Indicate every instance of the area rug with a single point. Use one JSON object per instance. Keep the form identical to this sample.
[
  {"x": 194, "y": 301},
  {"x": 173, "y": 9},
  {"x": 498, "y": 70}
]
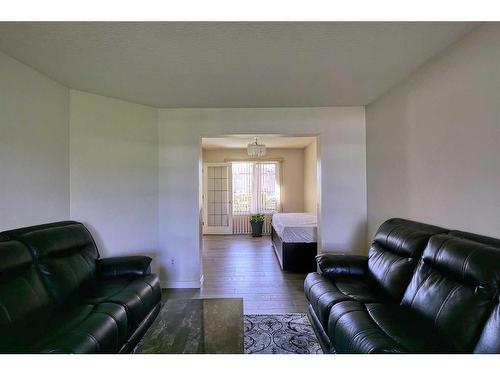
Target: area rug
[{"x": 280, "y": 334}]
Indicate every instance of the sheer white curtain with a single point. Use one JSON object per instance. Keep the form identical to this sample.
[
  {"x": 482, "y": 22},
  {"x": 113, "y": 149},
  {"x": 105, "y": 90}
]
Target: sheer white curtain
[
  {"x": 265, "y": 192},
  {"x": 256, "y": 189}
]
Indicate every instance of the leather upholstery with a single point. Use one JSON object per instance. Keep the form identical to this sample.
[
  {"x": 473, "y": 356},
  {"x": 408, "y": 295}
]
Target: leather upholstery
[
  {"x": 13, "y": 233},
  {"x": 138, "y": 296},
  {"x": 410, "y": 330},
  {"x": 355, "y": 327},
  {"x": 463, "y": 278},
  {"x": 332, "y": 265},
  {"x": 395, "y": 251},
  {"x": 392, "y": 258},
  {"x": 476, "y": 238},
  {"x": 352, "y": 331},
  {"x": 323, "y": 293},
  {"x": 24, "y": 302},
  {"x": 489, "y": 341},
  {"x": 57, "y": 296},
  {"x": 123, "y": 266},
  {"x": 86, "y": 328},
  {"x": 444, "y": 299},
  {"x": 66, "y": 256}
]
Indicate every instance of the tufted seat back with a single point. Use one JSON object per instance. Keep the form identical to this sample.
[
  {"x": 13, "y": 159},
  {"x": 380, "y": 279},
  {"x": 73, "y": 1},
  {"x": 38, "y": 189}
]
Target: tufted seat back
[
  {"x": 488, "y": 341},
  {"x": 490, "y": 241},
  {"x": 65, "y": 253},
  {"x": 455, "y": 286},
  {"x": 395, "y": 252},
  {"x": 24, "y": 302}
]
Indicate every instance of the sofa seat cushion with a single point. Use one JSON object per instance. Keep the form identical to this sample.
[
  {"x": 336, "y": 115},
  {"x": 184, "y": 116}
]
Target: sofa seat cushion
[
  {"x": 359, "y": 289},
  {"x": 351, "y": 330},
  {"x": 323, "y": 293},
  {"x": 354, "y": 327},
  {"x": 137, "y": 295},
  {"x": 412, "y": 331},
  {"x": 86, "y": 328}
]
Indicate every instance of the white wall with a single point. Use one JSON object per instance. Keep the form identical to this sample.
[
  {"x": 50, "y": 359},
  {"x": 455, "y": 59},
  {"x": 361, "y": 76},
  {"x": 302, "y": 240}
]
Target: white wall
[
  {"x": 292, "y": 172},
  {"x": 342, "y": 204},
  {"x": 433, "y": 142},
  {"x": 34, "y": 147},
  {"x": 69, "y": 154},
  {"x": 114, "y": 173},
  {"x": 310, "y": 178}
]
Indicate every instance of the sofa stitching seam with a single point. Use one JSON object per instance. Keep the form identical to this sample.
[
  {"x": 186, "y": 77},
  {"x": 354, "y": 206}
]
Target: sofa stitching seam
[
  {"x": 455, "y": 288},
  {"x": 340, "y": 317}
]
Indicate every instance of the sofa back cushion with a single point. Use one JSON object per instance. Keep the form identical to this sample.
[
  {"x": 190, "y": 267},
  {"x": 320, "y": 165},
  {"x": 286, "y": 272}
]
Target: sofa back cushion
[
  {"x": 455, "y": 287},
  {"x": 24, "y": 302},
  {"x": 489, "y": 341},
  {"x": 490, "y": 241},
  {"x": 395, "y": 252},
  {"x": 65, "y": 253}
]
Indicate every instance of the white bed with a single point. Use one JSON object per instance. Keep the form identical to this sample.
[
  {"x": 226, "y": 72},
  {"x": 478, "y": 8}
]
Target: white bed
[
  {"x": 296, "y": 227},
  {"x": 294, "y": 237}
]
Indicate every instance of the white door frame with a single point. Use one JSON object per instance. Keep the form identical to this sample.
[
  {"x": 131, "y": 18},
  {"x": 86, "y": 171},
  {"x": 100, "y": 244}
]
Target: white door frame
[{"x": 220, "y": 229}]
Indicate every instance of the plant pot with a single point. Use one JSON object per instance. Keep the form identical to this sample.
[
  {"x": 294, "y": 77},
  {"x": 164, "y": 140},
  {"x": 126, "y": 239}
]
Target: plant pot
[{"x": 257, "y": 228}]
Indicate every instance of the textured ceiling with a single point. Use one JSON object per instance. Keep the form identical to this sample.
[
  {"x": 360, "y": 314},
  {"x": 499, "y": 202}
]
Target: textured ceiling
[
  {"x": 236, "y": 64},
  {"x": 269, "y": 140}
]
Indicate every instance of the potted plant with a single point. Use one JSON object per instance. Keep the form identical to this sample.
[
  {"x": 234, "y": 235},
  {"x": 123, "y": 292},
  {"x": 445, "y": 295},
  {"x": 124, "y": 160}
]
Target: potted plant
[{"x": 257, "y": 220}]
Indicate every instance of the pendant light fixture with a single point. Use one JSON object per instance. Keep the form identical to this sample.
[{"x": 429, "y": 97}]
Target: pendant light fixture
[{"x": 255, "y": 150}]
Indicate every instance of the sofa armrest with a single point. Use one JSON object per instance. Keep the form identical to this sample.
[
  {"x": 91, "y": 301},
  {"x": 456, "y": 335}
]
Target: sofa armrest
[
  {"x": 137, "y": 265},
  {"x": 332, "y": 265}
]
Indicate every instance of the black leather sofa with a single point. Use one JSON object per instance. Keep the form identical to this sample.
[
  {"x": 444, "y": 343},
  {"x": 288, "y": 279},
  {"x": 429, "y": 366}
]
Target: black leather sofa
[
  {"x": 58, "y": 296},
  {"x": 422, "y": 289}
]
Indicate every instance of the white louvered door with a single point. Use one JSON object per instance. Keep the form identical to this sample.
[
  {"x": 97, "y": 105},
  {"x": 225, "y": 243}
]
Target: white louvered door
[{"x": 217, "y": 194}]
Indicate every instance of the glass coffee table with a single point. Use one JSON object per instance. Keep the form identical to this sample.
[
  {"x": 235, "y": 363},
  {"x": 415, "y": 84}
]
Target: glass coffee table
[{"x": 211, "y": 326}]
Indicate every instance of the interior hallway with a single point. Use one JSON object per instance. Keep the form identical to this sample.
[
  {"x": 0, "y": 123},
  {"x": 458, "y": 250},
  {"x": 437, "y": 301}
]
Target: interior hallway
[{"x": 246, "y": 267}]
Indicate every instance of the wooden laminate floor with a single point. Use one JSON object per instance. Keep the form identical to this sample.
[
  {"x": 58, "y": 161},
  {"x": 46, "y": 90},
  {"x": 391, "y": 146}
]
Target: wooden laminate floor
[{"x": 246, "y": 267}]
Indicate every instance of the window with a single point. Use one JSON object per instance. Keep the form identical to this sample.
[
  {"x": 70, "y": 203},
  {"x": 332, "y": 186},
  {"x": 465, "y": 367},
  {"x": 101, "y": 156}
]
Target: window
[
  {"x": 242, "y": 187},
  {"x": 256, "y": 187},
  {"x": 267, "y": 187}
]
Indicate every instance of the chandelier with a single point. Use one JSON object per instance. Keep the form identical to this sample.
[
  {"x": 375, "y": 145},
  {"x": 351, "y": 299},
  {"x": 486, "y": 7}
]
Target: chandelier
[{"x": 256, "y": 150}]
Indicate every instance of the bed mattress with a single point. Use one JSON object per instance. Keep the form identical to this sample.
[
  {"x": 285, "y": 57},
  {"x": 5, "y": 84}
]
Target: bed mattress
[{"x": 296, "y": 227}]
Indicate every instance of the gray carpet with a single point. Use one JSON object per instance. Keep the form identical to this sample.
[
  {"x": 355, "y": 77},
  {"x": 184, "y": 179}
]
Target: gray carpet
[{"x": 280, "y": 334}]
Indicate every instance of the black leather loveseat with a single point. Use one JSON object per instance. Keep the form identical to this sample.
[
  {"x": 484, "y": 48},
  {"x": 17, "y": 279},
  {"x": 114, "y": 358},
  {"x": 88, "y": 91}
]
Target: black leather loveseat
[
  {"x": 422, "y": 289},
  {"x": 58, "y": 296}
]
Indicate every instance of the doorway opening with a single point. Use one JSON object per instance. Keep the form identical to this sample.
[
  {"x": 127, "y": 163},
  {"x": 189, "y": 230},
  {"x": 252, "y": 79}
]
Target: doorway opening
[{"x": 283, "y": 186}]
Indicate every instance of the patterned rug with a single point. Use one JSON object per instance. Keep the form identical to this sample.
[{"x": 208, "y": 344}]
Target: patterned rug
[{"x": 280, "y": 334}]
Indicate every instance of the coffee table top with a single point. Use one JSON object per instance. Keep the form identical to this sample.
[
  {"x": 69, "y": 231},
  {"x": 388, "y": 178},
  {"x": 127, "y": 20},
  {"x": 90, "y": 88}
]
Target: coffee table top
[{"x": 212, "y": 326}]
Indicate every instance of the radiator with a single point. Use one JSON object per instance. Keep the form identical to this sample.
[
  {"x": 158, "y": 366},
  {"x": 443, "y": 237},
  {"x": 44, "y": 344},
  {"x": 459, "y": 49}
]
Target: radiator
[{"x": 241, "y": 224}]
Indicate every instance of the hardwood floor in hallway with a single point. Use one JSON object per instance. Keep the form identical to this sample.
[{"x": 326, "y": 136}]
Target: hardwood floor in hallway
[{"x": 246, "y": 267}]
